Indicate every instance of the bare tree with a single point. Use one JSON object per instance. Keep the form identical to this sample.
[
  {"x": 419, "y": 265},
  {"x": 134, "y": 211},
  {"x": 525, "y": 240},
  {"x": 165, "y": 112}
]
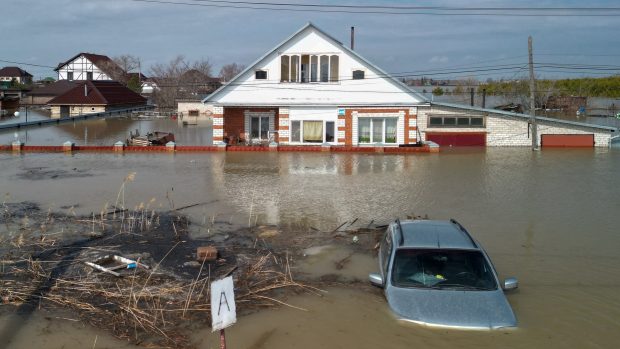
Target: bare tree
[
  {"x": 167, "y": 77},
  {"x": 127, "y": 62},
  {"x": 203, "y": 66},
  {"x": 229, "y": 71}
]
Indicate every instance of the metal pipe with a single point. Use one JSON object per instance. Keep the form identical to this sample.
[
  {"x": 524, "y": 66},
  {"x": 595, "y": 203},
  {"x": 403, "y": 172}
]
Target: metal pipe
[{"x": 352, "y": 38}]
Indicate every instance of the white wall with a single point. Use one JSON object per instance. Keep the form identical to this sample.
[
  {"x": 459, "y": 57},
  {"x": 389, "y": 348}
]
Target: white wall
[
  {"x": 505, "y": 130},
  {"x": 371, "y": 90},
  {"x": 80, "y": 66}
]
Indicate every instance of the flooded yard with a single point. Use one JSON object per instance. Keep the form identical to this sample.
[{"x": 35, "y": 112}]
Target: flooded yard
[{"x": 549, "y": 218}]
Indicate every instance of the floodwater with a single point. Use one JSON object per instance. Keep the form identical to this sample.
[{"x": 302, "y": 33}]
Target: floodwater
[
  {"x": 549, "y": 218},
  {"x": 103, "y": 131}
]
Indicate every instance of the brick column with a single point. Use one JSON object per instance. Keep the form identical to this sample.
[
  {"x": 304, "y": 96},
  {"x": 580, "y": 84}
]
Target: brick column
[
  {"x": 341, "y": 134},
  {"x": 348, "y": 127},
  {"x": 411, "y": 126},
  {"x": 218, "y": 125},
  {"x": 283, "y": 126}
]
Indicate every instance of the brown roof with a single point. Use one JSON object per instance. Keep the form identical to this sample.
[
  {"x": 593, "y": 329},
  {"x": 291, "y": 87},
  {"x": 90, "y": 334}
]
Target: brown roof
[
  {"x": 14, "y": 72},
  {"x": 54, "y": 89},
  {"x": 103, "y": 62},
  {"x": 99, "y": 93}
]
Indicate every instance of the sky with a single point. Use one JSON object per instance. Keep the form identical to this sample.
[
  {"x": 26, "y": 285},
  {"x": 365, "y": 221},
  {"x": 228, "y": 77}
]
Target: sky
[{"x": 47, "y": 32}]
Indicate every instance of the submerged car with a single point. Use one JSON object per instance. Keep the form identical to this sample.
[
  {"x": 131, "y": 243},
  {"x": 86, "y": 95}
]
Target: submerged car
[{"x": 434, "y": 273}]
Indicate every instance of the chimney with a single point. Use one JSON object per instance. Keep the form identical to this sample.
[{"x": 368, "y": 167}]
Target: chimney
[
  {"x": 352, "y": 38},
  {"x": 85, "y": 90}
]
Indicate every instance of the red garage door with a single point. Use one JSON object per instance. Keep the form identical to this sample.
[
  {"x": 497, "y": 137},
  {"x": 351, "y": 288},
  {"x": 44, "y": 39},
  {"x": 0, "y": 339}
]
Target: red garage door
[
  {"x": 567, "y": 140},
  {"x": 458, "y": 139}
]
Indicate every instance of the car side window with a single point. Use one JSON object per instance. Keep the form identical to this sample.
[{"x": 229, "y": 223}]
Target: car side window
[{"x": 386, "y": 251}]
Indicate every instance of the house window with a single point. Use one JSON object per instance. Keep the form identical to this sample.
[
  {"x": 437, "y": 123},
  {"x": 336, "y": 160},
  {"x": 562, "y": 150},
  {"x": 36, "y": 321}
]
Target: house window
[
  {"x": 194, "y": 112},
  {"x": 70, "y": 75},
  {"x": 294, "y": 69},
  {"x": 324, "y": 68},
  {"x": 305, "y": 68},
  {"x": 358, "y": 74},
  {"x": 259, "y": 127},
  {"x": 296, "y": 131},
  {"x": 313, "y": 132},
  {"x": 330, "y": 128},
  {"x": 456, "y": 121},
  {"x": 314, "y": 66},
  {"x": 284, "y": 68},
  {"x": 333, "y": 68},
  {"x": 260, "y": 75},
  {"x": 89, "y": 75},
  {"x": 377, "y": 130}
]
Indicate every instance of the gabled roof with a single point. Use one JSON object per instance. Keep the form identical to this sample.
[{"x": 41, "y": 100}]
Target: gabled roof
[
  {"x": 98, "y": 93},
  {"x": 14, "y": 72},
  {"x": 306, "y": 27},
  {"x": 103, "y": 62},
  {"x": 523, "y": 117}
]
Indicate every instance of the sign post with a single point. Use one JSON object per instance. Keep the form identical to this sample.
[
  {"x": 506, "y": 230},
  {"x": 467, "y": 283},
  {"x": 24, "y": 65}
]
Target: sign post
[{"x": 223, "y": 310}]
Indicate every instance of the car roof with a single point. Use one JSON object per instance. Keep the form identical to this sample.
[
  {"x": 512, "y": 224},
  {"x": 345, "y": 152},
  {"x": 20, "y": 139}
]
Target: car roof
[{"x": 434, "y": 234}]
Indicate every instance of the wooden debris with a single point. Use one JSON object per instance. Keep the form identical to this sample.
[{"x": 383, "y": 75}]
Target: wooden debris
[{"x": 206, "y": 253}]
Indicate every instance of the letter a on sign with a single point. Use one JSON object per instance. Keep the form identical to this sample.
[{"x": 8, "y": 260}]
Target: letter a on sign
[{"x": 223, "y": 312}]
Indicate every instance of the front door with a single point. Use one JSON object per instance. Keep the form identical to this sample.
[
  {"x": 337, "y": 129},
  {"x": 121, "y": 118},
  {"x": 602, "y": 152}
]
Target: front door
[
  {"x": 259, "y": 128},
  {"x": 64, "y": 111}
]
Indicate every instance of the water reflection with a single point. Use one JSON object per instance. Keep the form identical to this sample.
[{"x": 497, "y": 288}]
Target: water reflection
[{"x": 107, "y": 131}]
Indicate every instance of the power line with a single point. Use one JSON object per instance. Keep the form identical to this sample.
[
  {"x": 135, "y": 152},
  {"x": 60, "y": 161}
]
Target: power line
[{"x": 563, "y": 12}]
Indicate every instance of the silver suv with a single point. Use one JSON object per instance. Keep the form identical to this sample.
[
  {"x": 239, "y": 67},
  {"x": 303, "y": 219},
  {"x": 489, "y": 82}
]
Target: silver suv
[{"x": 434, "y": 273}]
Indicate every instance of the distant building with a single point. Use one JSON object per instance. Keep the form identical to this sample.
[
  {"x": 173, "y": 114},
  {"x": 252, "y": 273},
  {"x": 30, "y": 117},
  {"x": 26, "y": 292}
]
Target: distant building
[
  {"x": 10, "y": 74},
  {"x": 42, "y": 95},
  {"x": 89, "y": 66},
  {"x": 94, "y": 97}
]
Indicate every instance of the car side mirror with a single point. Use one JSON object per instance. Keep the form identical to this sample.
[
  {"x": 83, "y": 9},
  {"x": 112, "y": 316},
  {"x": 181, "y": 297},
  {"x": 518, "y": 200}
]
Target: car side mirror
[
  {"x": 375, "y": 279},
  {"x": 511, "y": 284}
]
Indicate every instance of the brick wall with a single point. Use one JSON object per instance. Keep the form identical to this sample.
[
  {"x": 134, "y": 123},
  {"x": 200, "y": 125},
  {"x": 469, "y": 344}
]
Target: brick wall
[{"x": 235, "y": 124}]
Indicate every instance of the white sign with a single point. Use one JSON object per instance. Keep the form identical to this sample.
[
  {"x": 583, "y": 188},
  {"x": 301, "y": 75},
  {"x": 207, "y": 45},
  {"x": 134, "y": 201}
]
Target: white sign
[{"x": 223, "y": 311}]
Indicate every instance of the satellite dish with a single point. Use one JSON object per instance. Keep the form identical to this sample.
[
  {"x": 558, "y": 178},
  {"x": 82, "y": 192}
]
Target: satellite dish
[
  {"x": 208, "y": 113},
  {"x": 16, "y": 114}
]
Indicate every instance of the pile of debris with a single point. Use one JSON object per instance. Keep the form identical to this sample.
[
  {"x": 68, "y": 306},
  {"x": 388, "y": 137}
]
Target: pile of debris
[{"x": 140, "y": 276}]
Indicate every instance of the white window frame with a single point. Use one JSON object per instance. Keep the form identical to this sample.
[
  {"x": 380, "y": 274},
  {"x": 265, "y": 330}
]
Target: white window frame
[
  {"x": 372, "y": 141},
  {"x": 310, "y": 70},
  {"x": 301, "y": 132}
]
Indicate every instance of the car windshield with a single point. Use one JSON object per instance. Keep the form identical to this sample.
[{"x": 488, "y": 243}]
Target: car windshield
[{"x": 442, "y": 269}]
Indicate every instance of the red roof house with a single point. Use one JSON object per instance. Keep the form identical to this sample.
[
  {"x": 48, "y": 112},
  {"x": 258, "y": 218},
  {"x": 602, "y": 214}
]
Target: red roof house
[{"x": 94, "y": 97}]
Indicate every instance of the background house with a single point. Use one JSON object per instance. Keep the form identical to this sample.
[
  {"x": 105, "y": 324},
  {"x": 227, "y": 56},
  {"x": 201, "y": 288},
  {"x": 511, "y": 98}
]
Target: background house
[
  {"x": 15, "y": 74},
  {"x": 89, "y": 66},
  {"x": 42, "y": 95},
  {"x": 94, "y": 97}
]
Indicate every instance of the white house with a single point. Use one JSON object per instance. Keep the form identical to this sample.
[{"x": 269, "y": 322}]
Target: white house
[
  {"x": 88, "y": 66},
  {"x": 311, "y": 89}
]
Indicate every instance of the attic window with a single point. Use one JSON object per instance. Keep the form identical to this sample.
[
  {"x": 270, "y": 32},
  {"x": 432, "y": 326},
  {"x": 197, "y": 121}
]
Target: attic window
[
  {"x": 261, "y": 75},
  {"x": 358, "y": 74}
]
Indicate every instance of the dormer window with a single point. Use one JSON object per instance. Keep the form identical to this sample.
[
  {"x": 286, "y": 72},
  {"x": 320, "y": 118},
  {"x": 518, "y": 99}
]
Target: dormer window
[
  {"x": 309, "y": 68},
  {"x": 260, "y": 75},
  {"x": 358, "y": 75}
]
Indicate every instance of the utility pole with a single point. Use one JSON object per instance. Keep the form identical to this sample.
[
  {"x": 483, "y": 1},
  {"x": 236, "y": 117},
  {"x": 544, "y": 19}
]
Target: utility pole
[{"x": 532, "y": 97}]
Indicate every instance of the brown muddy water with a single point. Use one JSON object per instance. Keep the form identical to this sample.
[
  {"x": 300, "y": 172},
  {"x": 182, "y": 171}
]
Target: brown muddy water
[{"x": 549, "y": 218}]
